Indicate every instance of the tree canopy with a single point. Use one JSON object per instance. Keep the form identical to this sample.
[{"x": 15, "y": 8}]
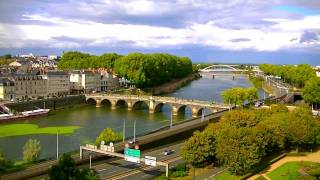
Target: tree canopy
[
  {"x": 243, "y": 137},
  {"x": 66, "y": 169},
  {"x": 147, "y": 70},
  {"x": 199, "y": 148},
  {"x": 239, "y": 96},
  {"x": 108, "y": 135},
  {"x": 143, "y": 70},
  {"x": 311, "y": 91},
  {"x": 295, "y": 75},
  {"x": 77, "y": 60},
  {"x": 31, "y": 150}
]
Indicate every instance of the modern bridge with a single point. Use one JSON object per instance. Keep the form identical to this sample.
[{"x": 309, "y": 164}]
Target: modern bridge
[
  {"x": 223, "y": 68},
  {"x": 154, "y": 103}
]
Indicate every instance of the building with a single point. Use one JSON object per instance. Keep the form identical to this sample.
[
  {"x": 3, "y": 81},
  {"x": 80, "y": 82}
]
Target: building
[
  {"x": 7, "y": 89},
  {"x": 85, "y": 82},
  {"x": 58, "y": 83},
  {"x": 109, "y": 82},
  {"x": 29, "y": 86},
  {"x": 22, "y": 65}
]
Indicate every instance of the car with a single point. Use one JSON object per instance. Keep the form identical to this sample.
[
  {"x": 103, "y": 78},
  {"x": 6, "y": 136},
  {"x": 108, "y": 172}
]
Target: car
[{"x": 167, "y": 152}]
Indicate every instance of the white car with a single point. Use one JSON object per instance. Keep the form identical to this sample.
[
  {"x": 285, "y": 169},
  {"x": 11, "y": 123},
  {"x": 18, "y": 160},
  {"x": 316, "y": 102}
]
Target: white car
[{"x": 167, "y": 152}]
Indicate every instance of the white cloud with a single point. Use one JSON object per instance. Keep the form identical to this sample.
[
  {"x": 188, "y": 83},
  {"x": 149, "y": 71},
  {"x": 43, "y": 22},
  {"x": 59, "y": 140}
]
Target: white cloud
[{"x": 284, "y": 34}]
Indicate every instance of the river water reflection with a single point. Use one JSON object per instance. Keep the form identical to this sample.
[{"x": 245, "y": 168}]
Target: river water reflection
[{"x": 92, "y": 120}]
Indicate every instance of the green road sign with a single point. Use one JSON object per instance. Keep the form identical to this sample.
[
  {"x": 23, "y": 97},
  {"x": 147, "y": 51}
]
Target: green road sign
[{"x": 132, "y": 152}]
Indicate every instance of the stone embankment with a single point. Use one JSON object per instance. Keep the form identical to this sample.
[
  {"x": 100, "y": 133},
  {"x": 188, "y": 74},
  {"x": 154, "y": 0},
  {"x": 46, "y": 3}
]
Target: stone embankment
[
  {"x": 52, "y": 103},
  {"x": 173, "y": 85}
]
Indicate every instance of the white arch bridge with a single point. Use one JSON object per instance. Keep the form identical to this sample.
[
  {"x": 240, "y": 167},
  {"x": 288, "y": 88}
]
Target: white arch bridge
[
  {"x": 222, "y": 68},
  {"x": 154, "y": 103}
]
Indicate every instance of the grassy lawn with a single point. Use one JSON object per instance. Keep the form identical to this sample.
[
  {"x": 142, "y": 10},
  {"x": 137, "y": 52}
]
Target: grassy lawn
[
  {"x": 27, "y": 129},
  {"x": 289, "y": 170},
  {"x": 226, "y": 175}
]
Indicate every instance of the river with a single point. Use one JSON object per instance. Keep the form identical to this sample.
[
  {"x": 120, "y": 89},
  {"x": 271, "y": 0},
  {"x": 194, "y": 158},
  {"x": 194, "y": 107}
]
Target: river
[{"x": 92, "y": 120}]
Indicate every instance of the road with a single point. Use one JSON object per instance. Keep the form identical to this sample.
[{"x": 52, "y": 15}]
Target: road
[{"x": 121, "y": 169}]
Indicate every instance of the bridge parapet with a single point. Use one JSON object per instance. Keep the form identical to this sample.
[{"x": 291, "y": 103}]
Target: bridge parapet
[{"x": 155, "y": 102}]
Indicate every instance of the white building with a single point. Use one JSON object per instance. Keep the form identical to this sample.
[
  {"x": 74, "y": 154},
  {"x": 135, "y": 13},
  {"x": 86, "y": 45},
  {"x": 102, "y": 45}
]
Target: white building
[
  {"x": 58, "y": 83},
  {"x": 85, "y": 82},
  {"x": 109, "y": 82}
]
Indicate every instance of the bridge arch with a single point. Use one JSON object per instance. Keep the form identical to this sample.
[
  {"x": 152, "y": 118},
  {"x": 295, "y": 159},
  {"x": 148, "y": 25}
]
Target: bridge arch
[
  {"x": 201, "y": 109},
  {"x": 91, "y": 101},
  {"x": 183, "y": 108},
  {"x": 121, "y": 103},
  {"x": 159, "y": 106},
  {"x": 219, "y": 66},
  {"x": 140, "y": 105},
  {"x": 106, "y": 102}
]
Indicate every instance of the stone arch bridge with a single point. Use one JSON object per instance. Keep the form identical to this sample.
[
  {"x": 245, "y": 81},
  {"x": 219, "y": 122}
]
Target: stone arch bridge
[{"x": 154, "y": 103}]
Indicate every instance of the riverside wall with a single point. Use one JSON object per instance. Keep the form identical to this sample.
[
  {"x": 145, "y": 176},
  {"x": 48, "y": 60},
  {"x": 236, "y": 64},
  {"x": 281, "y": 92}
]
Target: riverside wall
[
  {"x": 173, "y": 85},
  {"x": 52, "y": 103}
]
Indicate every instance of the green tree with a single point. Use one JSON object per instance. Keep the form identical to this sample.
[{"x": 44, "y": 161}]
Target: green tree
[
  {"x": 31, "y": 150},
  {"x": 7, "y": 56},
  {"x": 66, "y": 169},
  {"x": 251, "y": 94},
  {"x": 238, "y": 96},
  {"x": 295, "y": 75},
  {"x": 311, "y": 91},
  {"x": 302, "y": 128},
  {"x": 199, "y": 148},
  {"x": 108, "y": 135},
  {"x": 239, "y": 143}
]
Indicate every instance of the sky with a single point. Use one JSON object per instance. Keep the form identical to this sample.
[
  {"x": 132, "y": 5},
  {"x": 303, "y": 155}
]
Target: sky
[{"x": 232, "y": 31}]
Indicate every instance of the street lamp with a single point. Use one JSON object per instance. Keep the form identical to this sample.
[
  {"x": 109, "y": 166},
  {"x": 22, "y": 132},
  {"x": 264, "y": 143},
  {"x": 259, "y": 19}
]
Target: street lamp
[
  {"x": 57, "y": 144},
  {"x": 171, "y": 120}
]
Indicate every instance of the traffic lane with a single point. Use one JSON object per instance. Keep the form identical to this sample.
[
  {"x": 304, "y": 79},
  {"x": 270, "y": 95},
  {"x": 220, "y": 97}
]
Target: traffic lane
[
  {"x": 108, "y": 169},
  {"x": 151, "y": 172}
]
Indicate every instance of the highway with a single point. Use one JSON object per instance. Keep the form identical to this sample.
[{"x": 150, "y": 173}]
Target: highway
[{"x": 121, "y": 169}]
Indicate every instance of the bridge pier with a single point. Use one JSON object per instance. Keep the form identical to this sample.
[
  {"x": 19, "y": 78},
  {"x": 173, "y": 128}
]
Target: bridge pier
[
  {"x": 113, "y": 104},
  {"x": 195, "y": 112},
  {"x": 152, "y": 105},
  {"x": 175, "y": 110},
  {"x": 130, "y": 105},
  {"x": 98, "y": 103}
]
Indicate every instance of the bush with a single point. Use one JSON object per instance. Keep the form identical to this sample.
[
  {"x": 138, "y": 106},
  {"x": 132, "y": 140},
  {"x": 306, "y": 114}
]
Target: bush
[
  {"x": 181, "y": 167},
  {"x": 178, "y": 174},
  {"x": 31, "y": 150}
]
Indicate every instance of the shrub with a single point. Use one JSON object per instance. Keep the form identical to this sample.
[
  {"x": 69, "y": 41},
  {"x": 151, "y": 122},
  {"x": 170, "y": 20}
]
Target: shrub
[{"x": 178, "y": 174}]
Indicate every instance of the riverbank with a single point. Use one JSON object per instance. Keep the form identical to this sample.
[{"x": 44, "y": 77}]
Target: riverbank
[
  {"x": 173, "y": 85},
  {"x": 52, "y": 103}
]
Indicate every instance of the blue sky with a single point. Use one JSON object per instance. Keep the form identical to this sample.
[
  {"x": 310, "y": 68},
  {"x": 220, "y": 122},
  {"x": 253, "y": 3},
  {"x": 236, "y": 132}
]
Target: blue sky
[{"x": 242, "y": 31}]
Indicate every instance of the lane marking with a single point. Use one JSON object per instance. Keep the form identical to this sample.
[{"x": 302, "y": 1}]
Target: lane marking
[{"x": 102, "y": 170}]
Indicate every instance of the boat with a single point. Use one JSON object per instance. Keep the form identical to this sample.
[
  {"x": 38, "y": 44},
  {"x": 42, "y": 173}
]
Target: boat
[
  {"x": 7, "y": 116},
  {"x": 37, "y": 112}
]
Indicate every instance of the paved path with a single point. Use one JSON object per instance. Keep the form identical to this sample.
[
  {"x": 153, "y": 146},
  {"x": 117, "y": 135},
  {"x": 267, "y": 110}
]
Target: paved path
[{"x": 313, "y": 157}]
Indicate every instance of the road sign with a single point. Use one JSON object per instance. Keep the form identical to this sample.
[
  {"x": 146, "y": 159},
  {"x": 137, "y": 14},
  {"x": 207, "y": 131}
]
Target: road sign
[
  {"x": 149, "y": 160},
  {"x": 132, "y": 155}
]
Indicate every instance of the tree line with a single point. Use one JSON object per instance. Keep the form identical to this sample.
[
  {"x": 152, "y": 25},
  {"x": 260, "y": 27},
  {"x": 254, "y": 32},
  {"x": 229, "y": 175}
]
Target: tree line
[
  {"x": 143, "y": 70},
  {"x": 295, "y": 75},
  {"x": 238, "y": 95},
  {"x": 243, "y": 137},
  {"x": 74, "y": 60},
  {"x": 302, "y": 76}
]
